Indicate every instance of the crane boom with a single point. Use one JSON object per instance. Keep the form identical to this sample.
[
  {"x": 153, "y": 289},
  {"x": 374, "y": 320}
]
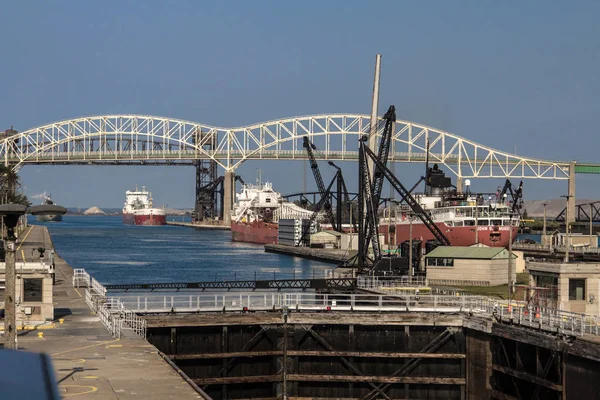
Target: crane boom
[
  {"x": 319, "y": 180},
  {"x": 376, "y": 187},
  {"x": 406, "y": 196}
]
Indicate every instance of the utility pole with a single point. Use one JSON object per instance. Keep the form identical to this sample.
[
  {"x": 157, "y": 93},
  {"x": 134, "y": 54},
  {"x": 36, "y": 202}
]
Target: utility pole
[
  {"x": 411, "y": 268},
  {"x": 591, "y": 227},
  {"x": 476, "y": 219},
  {"x": 567, "y": 228},
  {"x": 512, "y": 277},
  {"x": 374, "y": 107},
  {"x": 544, "y": 238}
]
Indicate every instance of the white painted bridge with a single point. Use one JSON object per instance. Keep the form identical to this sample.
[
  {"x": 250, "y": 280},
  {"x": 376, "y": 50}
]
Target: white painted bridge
[{"x": 138, "y": 139}]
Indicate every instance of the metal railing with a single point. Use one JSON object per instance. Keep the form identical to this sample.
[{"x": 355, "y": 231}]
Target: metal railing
[
  {"x": 112, "y": 313},
  {"x": 81, "y": 278},
  {"x": 118, "y": 313},
  {"x": 127, "y": 319},
  {"x": 301, "y": 301},
  {"x": 584, "y": 249},
  {"x": 550, "y": 320},
  {"x": 457, "y": 282},
  {"x": 377, "y": 283}
]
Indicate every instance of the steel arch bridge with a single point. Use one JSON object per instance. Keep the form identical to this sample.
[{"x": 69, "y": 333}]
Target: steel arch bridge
[{"x": 138, "y": 139}]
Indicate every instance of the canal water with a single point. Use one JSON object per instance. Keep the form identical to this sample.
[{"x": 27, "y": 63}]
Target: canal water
[{"x": 115, "y": 253}]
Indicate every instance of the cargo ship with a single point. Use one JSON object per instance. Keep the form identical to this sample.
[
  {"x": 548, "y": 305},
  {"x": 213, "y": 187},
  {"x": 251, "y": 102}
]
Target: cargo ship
[
  {"x": 465, "y": 218},
  {"x": 256, "y": 213},
  {"x": 138, "y": 209},
  {"x": 47, "y": 201}
]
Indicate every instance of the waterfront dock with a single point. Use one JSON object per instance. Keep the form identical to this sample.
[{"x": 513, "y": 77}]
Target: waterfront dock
[
  {"x": 200, "y": 226},
  {"x": 334, "y": 256},
  {"x": 87, "y": 360}
]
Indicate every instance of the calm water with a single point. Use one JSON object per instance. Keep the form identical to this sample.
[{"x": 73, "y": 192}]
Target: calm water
[{"x": 116, "y": 253}]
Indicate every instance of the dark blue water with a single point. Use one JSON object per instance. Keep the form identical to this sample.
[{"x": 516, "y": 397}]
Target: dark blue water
[
  {"x": 116, "y": 253},
  {"x": 535, "y": 237}
]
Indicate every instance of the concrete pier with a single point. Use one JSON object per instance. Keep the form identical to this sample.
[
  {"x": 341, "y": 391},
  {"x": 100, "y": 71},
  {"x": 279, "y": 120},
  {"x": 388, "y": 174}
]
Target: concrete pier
[
  {"x": 200, "y": 226},
  {"x": 334, "y": 256},
  {"x": 87, "y": 361}
]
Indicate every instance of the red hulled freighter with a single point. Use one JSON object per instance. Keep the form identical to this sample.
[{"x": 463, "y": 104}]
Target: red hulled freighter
[
  {"x": 138, "y": 209},
  {"x": 464, "y": 218},
  {"x": 257, "y": 211}
]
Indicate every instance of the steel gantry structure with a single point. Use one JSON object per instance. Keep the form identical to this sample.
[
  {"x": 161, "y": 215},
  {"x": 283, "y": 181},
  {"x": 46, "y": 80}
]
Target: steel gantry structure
[{"x": 149, "y": 140}]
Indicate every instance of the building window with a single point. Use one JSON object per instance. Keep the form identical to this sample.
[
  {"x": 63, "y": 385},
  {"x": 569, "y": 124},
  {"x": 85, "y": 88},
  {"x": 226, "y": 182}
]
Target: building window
[
  {"x": 32, "y": 289},
  {"x": 576, "y": 289},
  {"x": 440, "y": 262}
]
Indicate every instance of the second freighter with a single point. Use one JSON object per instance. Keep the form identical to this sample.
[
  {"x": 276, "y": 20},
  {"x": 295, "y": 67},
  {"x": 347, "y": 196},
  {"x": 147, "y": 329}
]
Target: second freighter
[
  {"x": 256, "y": 213},
  {"x": 138, "y": 209}
]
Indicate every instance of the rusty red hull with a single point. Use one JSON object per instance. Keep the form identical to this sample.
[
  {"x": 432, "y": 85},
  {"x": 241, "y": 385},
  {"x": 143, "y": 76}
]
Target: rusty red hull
[
  {"x": 150, "y": 219},
  {"x": 257, "y": 232},
  {"x": 493, "y": 236}
]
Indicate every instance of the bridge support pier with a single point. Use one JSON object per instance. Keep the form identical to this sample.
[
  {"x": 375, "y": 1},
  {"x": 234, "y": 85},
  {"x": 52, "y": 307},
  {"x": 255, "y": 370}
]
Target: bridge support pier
[
  {"x": 229, "y": 188},
  {"x": 571, "y": 194}
]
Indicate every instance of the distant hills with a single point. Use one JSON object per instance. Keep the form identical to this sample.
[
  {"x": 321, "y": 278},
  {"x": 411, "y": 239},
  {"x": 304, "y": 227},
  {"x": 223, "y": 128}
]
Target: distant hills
[{"x": 535, "y": 208}]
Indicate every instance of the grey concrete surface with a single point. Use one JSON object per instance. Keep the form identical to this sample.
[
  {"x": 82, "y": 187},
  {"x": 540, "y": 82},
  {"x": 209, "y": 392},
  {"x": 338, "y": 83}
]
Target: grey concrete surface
[{"x": 87, "y": 361}]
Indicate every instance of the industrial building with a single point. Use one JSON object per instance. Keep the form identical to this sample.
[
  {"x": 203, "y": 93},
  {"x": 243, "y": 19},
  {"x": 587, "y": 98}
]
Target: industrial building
[{"x": 468, "y": 266}]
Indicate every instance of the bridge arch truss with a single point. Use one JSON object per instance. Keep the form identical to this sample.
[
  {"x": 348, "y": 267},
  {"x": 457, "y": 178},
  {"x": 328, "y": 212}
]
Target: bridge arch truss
[{"x": 138, "y": 139}]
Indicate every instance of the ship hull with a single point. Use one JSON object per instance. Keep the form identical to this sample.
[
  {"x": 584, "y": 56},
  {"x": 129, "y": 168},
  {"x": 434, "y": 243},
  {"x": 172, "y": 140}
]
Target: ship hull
[
  {"x": 493, "y": 236},
  {"x": 261, "y": 233},
  {"x": 49, "y": 218},
  {"x": 128, "y": 219},
  {"x": 150, "y": 219}
]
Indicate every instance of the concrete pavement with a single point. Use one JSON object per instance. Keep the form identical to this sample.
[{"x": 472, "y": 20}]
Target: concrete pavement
[{"x": 88, "y": 362}]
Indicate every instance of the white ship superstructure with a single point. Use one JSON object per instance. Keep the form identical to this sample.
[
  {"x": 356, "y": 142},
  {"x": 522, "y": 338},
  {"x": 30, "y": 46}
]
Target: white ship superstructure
[
  {"x": 260, "y": 203},
  {"x": 138, "y": 209}
]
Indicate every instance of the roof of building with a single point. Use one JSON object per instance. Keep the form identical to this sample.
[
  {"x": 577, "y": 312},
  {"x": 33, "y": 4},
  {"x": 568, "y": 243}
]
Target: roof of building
[{"x": 480, "y": 253}]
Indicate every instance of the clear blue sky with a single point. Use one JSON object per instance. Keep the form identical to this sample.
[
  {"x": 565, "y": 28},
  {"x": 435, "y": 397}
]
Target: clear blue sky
[{"x": 504, "y": 74}]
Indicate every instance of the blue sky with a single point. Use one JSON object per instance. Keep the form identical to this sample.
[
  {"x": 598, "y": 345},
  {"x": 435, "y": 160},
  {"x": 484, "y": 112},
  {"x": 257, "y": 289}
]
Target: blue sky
[{"x": 507, "y": 74}]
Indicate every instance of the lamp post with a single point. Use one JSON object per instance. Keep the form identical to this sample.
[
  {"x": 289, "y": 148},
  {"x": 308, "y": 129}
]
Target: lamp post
[{"x": 11, "y": 214}]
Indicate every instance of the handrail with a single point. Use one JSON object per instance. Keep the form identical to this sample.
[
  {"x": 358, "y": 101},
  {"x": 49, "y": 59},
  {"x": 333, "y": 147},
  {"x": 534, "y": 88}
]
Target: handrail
[
  {"x": 113, "y": 314},
  {"x": 119, "y": 313}
]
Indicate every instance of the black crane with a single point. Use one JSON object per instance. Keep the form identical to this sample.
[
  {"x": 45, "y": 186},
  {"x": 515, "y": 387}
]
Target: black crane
[
  {"x": 326, "y": 204},
  {"x": 369, "y": 195},
  {"x": 325, "y": 192},
  {"x": 516, "y": 196},
  {"x": 342, "y": 198},
  {"x": 372, "y": 191}
]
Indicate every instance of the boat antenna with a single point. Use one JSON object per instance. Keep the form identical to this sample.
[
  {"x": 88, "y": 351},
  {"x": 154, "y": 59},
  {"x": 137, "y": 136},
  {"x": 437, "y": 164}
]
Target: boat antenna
[
  {"x": 258, "y": 176},
  {"x": 426, "y": 166}
]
